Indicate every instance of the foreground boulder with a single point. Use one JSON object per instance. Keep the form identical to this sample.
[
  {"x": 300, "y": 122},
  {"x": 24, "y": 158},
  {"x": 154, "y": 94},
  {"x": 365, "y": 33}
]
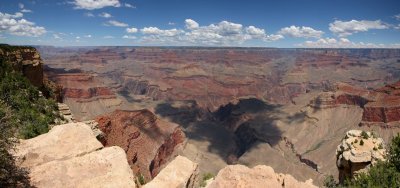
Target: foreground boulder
[
  {"x": 235, "y": 176},
  {"x": 358, "y": 150},
  {"x": 61, "y": 142},
  {"x": 148, "y": 141},
  {"x": 180, "y": 173},
  {"x": 70, "y": 156}
]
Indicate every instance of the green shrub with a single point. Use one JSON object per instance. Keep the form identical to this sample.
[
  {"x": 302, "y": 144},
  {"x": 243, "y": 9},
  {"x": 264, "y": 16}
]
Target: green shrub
[
  {"x": 361, "y": 142},
  {"x": 384, "y": 173},
  {"x": 364, "y": 135},
  {"x": 355, "y": 141},
  {"x": 10, "y": 174},
  {"x": 206, "y": 177},
  {"x": 32, "y": 112}
]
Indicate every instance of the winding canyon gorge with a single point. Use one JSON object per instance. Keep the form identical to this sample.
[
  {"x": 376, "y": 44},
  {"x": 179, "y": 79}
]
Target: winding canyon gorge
[{"x": 285, "y": 108}]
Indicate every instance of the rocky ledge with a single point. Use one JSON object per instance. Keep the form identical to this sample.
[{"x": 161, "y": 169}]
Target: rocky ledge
[
  {"x": 70, "y": 156},
  {"x": 358, "y": 150}
]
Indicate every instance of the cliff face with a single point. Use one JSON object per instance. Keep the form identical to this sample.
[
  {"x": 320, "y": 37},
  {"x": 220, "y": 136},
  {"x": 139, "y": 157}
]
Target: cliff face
[
  {"x": 28, "y": 62},
  {"x": 148, "y": 141},
  {"x": 25, "y": 60}
]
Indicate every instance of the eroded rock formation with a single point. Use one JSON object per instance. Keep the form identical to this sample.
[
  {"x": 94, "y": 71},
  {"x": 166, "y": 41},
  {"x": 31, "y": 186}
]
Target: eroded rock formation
[
  {"x": 149, "y": 142},
  {"x": 70, "y": 156},
  {"x": 358, "y": 150}
]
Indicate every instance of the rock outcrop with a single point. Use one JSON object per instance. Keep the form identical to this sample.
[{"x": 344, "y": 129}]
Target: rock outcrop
[
  {"x": 358, "y": 150},
  {"x": 148, "y": 141},
  {"x": 179, "y": 173},
  {"x": 70, "y": 156},
  {"x": 235, "y": 176},
  {"x": 25, "y": 60}
]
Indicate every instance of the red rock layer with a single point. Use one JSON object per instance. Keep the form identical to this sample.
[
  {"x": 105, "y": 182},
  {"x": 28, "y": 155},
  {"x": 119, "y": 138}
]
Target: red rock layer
[
  {"x": 148, "y": 141},
  {"x": 87, "y": 93}
]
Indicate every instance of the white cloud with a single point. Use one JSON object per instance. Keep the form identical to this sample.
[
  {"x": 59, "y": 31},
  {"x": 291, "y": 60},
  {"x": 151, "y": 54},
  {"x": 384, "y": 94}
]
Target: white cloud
[
  {"x": 108, "y": 37},
  {"x": 95, "y": 4},
  {"x": 156, "y": 31},
  {"x": 346, "y": 28},
  {"x": 273, "y": 37},
  {"x": 129, "y": 5},
  {"x": 303, "y": 32},
  {"x": 22, "y": 7},
  {"x": 255, "y": 32},
  {"x": 20, "y": 27},
  {"x": 128, "y": 37},
  {"x": 88, "y": 36},
  {"x": 78, "y": 37},
  {"x": 131, "y": 30},
  {"x": 223, "y": 33},
  {"x": 171, "y": 23},
  {"x": 89, "y": 14},
  {"x": 105, "y": 15},
  {"x": 343, "y": 43},
  {"x": 191, "y": 24},
  {"x": 116, "y": 23}
]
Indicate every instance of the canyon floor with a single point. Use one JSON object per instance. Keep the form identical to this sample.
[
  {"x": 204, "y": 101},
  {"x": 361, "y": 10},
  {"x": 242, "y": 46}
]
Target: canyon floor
[{"x": 285, "y": 108}]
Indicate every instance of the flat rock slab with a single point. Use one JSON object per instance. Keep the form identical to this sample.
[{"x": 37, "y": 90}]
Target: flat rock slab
[
  {"x": 239, "y": 176},
  {"x": 104, "y": 168},
  {"x": 179, "y": 173},
  {"x": 60, "y": 143}
]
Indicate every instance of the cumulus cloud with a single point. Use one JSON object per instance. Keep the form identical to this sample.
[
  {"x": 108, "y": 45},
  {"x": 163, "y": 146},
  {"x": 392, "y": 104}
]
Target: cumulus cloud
[
  {"x": 108, "y": 37},
  {"x": 95, "y": 4},
  {"x": 129, "y": 5},
  {"x": 346, "y": 28},
  {"x": 16, "y": 25},
  {"x": 116, "y": 23},
  {"x": 343, "y": 43},
  {"x": 105, "y": 15},
  {"x": 160, "y": 32},
  {"x": 222, "y": 33},
  {"x": 131, "y": 30},
  {"x": 303, "y": 32},
  {"x": 191, "y": 24},
  {"x": 128, "y": 37},
  {"x": 88, "y": 36}
]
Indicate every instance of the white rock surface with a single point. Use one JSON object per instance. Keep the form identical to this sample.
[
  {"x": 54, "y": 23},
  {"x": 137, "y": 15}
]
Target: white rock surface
[
  {"x": 179, "y": 173},
  {"x": 239, "y": 176}
]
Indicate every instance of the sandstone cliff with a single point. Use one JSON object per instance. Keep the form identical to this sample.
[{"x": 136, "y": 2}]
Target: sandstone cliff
[
  {"x": 70, "y": 156},
  {"x": 149, "y": 142}
]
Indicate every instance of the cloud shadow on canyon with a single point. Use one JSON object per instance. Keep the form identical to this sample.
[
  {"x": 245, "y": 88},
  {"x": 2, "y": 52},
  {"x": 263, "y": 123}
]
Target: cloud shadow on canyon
[{"x": 232, "y": 129}]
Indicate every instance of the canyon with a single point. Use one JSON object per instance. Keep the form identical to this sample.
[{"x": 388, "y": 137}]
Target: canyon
[{"x": 285, "y": 108}]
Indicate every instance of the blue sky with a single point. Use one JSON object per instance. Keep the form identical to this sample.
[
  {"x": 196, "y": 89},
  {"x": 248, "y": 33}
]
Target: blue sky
[{"x": 284, "y": 23}]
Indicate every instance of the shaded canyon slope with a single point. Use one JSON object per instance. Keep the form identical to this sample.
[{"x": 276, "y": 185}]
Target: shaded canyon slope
[{"x": 285, "y": 108}]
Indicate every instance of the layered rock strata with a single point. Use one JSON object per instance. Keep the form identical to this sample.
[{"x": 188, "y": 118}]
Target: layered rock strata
[{"x": 149, "y": 142}]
